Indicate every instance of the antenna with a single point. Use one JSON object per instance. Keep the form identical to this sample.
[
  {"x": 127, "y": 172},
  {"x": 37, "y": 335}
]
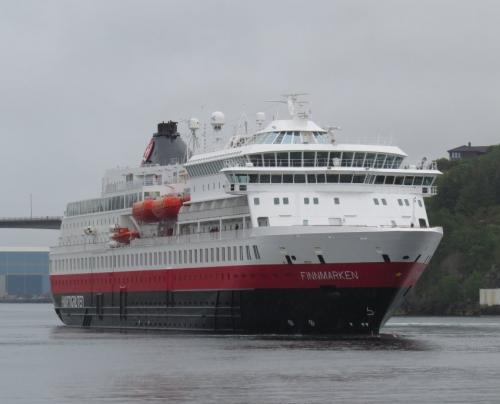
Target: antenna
[{"x": 295, "y": 106}]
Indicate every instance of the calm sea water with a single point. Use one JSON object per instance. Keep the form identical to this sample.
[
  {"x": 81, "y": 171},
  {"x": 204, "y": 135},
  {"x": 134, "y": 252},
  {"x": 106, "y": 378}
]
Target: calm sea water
[{"x": 420, "y": 360}]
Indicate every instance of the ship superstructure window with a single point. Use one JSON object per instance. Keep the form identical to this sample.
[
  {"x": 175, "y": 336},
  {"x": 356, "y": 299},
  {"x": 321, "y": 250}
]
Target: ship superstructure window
[
  {"x": 407, "y": 202},
  {"x": 400, "y": 202},
  {"x": 306, "y": 201},
  {"x": 316, "y": 201},
  {"x": 384, "y": 202},
  {"x": 276, "y": 201},
  {"x": 375, "y": 201},
  {"x": 256, "y": 252},
  {"x": 285, "y": 201},
  {"x": 336, "y": 201},
  {"x": 256, "y": 201},
  {"x": 103, "y": 204},
  {"x": 419, "y": 203}
]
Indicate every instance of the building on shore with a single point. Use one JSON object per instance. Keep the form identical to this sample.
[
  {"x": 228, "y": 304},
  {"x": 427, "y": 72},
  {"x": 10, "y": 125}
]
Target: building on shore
[
  {"x": 489, "y": 301},
  {"x": 24, "y": 272},
  {"x": 462, "y": 152}
]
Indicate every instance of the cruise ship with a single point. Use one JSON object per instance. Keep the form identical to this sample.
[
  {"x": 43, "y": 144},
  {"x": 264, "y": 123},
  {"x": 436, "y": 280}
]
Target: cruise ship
[{"x": 280, "y": 231}]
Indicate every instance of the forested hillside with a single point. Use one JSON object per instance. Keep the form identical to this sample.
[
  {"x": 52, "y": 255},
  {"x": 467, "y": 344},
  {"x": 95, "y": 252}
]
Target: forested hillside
[{"x": 468, "y": 208}]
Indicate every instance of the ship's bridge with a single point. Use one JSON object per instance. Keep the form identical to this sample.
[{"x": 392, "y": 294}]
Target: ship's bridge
[{"x": 291, "y": 132}]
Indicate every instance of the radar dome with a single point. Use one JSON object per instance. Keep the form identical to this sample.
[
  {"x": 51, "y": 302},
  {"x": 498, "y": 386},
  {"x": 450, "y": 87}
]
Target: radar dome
[
  {"x": 217, "y": 120},
  {"x": 260, "y": 118},
  {"x": 194, "y": 124}
]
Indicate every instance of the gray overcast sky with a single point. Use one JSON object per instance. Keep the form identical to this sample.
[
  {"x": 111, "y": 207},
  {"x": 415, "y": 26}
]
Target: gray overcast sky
[{"x": 84, "y": 83}]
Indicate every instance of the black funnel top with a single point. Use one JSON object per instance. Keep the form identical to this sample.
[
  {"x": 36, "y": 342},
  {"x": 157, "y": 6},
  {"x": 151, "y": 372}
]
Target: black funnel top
[{"x": 166, "y": 147}]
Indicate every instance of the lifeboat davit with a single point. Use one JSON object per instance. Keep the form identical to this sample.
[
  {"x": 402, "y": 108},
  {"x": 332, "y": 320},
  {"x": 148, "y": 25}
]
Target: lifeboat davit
[
  {"x": 124, "y": 235},
  {"x": 143, "y": 211},
  {"x": 167, "y": 207}
]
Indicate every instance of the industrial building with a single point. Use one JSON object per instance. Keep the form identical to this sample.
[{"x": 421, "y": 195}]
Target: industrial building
[
  {"x": 24, "y": 272},
  {"x": 489, "y": 301}
]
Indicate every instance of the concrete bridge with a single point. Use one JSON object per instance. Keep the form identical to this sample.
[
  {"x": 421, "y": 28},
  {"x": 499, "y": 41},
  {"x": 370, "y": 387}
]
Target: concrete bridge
[{"x": 35, "y": 222}]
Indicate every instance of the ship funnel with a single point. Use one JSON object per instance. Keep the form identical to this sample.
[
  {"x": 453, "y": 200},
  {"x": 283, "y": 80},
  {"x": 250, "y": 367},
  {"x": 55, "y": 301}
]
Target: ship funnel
[{"x": 165, "y": 147}]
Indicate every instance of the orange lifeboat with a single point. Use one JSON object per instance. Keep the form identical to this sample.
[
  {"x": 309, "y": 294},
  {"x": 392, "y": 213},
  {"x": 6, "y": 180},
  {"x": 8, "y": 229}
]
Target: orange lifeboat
[
  {"x": 167, "y": 207},
  {"x": 124, "y": 235},
  {"x": 143, "y": 211}
]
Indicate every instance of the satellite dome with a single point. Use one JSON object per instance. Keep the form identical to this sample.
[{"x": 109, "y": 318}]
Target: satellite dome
[
  {"x": 217, "y": 120},
  {"x": 194, "y": 124}
]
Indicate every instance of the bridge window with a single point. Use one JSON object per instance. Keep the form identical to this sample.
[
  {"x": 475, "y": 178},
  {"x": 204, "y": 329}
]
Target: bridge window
[
  {"x": 358, "y": 179},
  {"x": 320, "y": 178},
  {"x": 379, "y": 179},
  {"x": 418, "y": 180},
  {"x": 282, "y": 159},
  {"x": 345, "y": 178},
  {"x": 428, "y": 180},
  {"x": 276, "y": 178},
  {"x": 398, "y": 181},
  {"x": 389, "y": 180},
  {"x": 408, "y": 181},
  {"x": 397, "y": 162},
  {"x": 309, "y": 159},
  {"x": 269, "y": 160},
  {"x": 311, "y": 178},
  {"x": 287, "y": 178},
  {"x": 358, "y": 159},
  {"x": 332, "y": 178},
  {"x": 347, "y": 159},
  {"x": 279, "y": 138},
  {"x": 322, "y": 159},
  {"x": 335, "y": 159},
  {"x": 389, "y": 161},
  {"x": 296, "y": 159},
  {"x": 369, "y": 160},
  {"x": 299, "y": 178},
  {"x": 379, "y": 160},
  {"x": 287, "y": 138},
  {"x": 265, "y": 178}
]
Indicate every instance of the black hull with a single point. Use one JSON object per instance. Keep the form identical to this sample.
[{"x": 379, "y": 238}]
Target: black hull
[{"x": 325, "y": 311}]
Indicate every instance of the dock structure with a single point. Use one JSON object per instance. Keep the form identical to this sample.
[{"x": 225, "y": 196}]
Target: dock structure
[{"x": 35, "y": 222}]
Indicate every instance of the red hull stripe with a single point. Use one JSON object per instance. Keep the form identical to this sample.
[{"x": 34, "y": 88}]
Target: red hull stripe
[{"x": 280, "y": 276}]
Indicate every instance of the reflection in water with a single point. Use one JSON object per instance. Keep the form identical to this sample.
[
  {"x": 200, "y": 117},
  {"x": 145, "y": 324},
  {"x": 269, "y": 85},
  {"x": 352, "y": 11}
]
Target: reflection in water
[{"x": 415, "y": 360}]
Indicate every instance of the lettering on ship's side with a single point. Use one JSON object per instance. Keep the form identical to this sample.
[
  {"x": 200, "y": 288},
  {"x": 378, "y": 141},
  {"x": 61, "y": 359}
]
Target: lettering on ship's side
[
  {"x": 72, "y": 302},
  {"x": 329, "y": 275}
]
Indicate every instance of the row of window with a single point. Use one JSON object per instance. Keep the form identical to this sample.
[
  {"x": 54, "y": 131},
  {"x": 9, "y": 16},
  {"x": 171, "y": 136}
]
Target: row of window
[
  {"x": 300, "y": 159},
  {"x": 103, "y": 204},
  {"x": 292, "y": 137},
  {"x": 213, "y": 167},
  {"x": 336, "y": 201},
  {"x": 176, "y": 257},
  {"x": 324, "y": 159},
  {"x": 281, "y": 178},
  {"x": 102, "y": 221},
  {"x": 401, "y": 202}
]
